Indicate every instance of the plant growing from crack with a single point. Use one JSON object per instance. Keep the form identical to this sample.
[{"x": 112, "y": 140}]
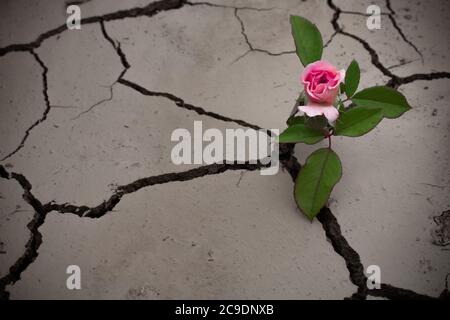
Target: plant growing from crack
[{"x": 330, "y": 106}]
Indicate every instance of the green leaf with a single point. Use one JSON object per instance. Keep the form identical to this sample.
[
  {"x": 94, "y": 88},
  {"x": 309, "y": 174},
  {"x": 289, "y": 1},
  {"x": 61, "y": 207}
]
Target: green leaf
[
  {"x": 308, "y": 40},
  {"x": 300, "y": 133},
  {"x": 316, "y": 180},
  {"x": 392, "y": 103},
  {"x": 296, "y": 120},
  {"x": 357, "y": 121},
  {"x": 317, "y": 122},
  {"x": 352, "y": 78}
]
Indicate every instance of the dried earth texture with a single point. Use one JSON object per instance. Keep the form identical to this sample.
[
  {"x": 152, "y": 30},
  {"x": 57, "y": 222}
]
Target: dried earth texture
[{"x": 86, "y": 176}]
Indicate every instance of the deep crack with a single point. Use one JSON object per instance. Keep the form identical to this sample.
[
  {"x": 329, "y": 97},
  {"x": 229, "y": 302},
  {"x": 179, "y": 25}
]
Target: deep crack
[
  {"x": 391, "y": 16},
  {"x": 343, "y": 248},
  {"x": 374, "y": 56},
  {"x": 331, "y": 227},
  {"x": 116, "y": 45},
  {"x": 395, "y": 81},
  {"x": 46, "y": 111},
  {"x": 182, "y": 104},
  {"x": 330, "y": 223},
  {"x": 149, "y": 10},
  {"x": 35, "y": 240},
  {"x": 288, "y": 161},
  {"x": 178, "y": 101},
  {"x": 108, "y": 205},
  {"x": 41, "y": 211}
]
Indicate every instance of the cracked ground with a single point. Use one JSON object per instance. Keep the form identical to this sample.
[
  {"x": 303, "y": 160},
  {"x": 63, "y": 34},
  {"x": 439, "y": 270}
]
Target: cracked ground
[{"x": 86, "y": 177}]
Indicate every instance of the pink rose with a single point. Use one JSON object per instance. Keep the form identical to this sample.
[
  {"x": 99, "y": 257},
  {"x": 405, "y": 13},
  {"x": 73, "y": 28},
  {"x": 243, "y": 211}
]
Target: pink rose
[{"x": 321, "y": 81}]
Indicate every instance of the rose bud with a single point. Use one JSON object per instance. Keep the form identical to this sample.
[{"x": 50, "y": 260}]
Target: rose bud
[{"x": 321, "y": 81}]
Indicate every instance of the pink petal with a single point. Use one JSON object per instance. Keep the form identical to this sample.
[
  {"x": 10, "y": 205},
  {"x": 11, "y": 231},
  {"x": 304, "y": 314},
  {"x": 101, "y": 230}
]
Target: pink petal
[
  {"x": 311, "y": 111},
  {"x": 320, "y": 89},
  {"x": 340, "y": 77},
  {"x": 342, "y": 74},
  {"x": 318, "y": 65},
  {"x": 330, "y": 112}
]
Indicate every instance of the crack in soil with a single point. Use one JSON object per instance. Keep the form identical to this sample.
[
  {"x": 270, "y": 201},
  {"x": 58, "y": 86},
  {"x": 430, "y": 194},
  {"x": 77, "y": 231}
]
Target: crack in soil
[
  {"x": 401, "y": 64},
  {"x": 395, "y": 81},
  {"x": 325, "y": 216},
  {"x": 331, "y": 227},
  {"x": 41, "y": 211},
  {"x": 216, "y": 5},
  {"x": 111, "y": 96},
  {"x": 287, "y": 159},
  {"x": 342, "y": 247},
  {"x": 35, "y": 240},
  {"x": 391, "y": 16},
  {"x": 149, "y": 10},
  {"x": 182, "y": 104},
  {"x": 249, "y": 44},
  {"x": 177, "y": 100},
  {"x": 116, "y": 45},
  {"x": 108, "y": 205},
  {"x": 47, "y": 106},
  {"x": 331, "y": 39},
  {"x": 123, "y": 59}
]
